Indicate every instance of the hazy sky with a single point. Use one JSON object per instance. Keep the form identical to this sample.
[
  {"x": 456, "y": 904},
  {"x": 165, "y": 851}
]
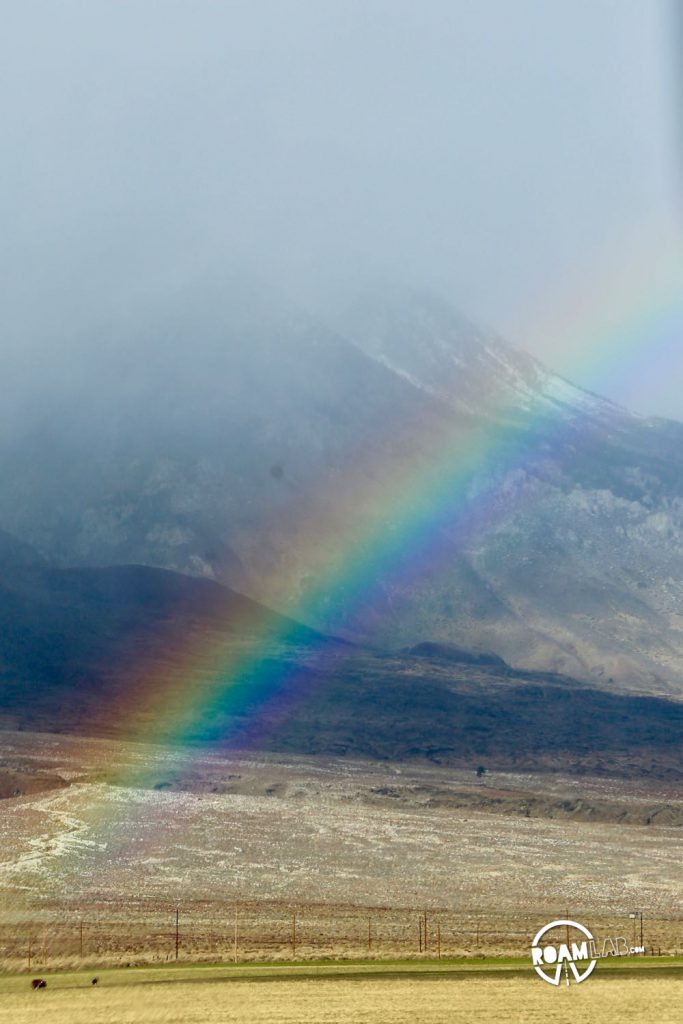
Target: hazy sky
[{"x": 512, "y": 154}]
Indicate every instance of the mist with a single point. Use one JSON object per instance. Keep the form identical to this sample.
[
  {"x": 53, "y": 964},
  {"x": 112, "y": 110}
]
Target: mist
[{"x": 487, "y": 151}]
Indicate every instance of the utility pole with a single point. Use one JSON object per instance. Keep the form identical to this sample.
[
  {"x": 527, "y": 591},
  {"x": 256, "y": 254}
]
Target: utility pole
[
  {"x": 177, "y": 931},
  {"x": 30, "y": 951},
  {"x": 438, "y": 939},
  {"x": 235, "y": 942},
  {"x": 369, "y": 933},
  {"x": 80, "y": 937},
  {"x": 425, "y": 915},
  {"x": 420, "y": 925},
  {"x": 293, "y": 934}
]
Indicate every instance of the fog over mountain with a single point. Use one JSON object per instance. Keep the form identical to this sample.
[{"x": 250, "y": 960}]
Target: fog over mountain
[
  {"x": 525, "y": 164},
  {"x": 359, "y": 317},
  {"x": 227, "y": 433}
]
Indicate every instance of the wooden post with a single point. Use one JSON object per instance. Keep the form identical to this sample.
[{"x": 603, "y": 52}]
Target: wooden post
[
  {"x": 235, "y": 939},
  {"x": 477, "y": 940},
  {"x": 420, "y": 922},
  {"x": 438, "y": 939},
  {"x": 425, "y": 914},
  {"x": 369, "y": 933},
  {"x": 30, "y": 951},
  {"x": 80, "y": 937},
  {"x": 293, "y": 934},
  {"x": 177, "y": 931}
]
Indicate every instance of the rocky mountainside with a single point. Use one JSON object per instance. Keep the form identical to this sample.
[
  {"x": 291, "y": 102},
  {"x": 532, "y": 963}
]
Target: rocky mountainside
[
  {"x": 579, "y": 564},
  {"x": 224, "y": 434}
]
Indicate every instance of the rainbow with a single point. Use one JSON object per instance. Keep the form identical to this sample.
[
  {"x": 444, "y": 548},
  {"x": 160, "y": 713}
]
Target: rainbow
[
  {"x": 619, "y": 315},
  {"x": 391, "y": 523},
  {"x": 343, "y": 561}
]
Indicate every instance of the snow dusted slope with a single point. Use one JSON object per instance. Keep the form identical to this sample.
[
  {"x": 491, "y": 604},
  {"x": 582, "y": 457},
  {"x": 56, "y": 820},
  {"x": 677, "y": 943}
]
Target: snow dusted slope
[{"x": 421, "y": 338}]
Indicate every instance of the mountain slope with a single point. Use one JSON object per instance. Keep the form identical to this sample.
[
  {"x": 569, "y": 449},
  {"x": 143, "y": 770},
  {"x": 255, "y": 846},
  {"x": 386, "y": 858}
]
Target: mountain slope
[
  {"x": 106, "y": 652},
  {"x": 226, "y": 434},
  {"x": 202, "y": 437},
  {"x": 582, "y": 518},
  {"x": 425, "y": 341},
  {"x": 101, "y": 650}
]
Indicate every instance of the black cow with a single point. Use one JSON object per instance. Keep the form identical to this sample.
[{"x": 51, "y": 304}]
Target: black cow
[{"x": 38, "y": 983}]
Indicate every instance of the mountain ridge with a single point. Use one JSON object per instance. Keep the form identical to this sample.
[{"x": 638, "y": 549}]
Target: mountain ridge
[
  {"x": 253, "y": 442},
  {"x": 105, "y": 652}
]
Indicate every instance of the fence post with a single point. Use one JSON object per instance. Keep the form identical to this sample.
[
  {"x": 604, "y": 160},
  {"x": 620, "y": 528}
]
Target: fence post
[
  {"x": 177, "y": 931},
  {"x": 438, "y": 939},
  {"x": 235, "y": 939},
  {"x": 369, "y": 933},
  {"x": 420, "y": 924},
  {"x": 293, "y": 934}
]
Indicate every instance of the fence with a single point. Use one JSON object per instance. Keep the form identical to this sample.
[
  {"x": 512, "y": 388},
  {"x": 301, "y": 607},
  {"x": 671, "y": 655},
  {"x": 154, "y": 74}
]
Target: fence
[{"x": 194, "y": 933}]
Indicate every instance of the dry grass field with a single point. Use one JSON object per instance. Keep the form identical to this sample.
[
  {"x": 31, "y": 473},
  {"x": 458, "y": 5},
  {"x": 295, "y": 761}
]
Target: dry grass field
[{"x": 208, "y": 997}]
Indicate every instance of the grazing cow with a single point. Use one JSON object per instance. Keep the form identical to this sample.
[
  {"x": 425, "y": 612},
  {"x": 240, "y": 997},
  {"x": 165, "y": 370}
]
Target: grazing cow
[
  {"x": 94, "y": 981},
  {"x": 38, "y": 983}
]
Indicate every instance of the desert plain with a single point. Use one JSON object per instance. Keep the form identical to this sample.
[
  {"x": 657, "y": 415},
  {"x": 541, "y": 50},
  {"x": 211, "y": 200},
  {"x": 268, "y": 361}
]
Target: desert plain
[{"x": 123, "y": 853}]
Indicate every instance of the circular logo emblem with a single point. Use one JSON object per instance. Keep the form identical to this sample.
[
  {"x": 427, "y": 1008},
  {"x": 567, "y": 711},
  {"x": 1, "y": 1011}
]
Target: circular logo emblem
[{"x": 573, "y": 956}]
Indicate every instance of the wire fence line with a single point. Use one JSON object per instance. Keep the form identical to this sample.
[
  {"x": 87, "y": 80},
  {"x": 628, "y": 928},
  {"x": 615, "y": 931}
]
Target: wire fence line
[{"x": 242, "y": 933}]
